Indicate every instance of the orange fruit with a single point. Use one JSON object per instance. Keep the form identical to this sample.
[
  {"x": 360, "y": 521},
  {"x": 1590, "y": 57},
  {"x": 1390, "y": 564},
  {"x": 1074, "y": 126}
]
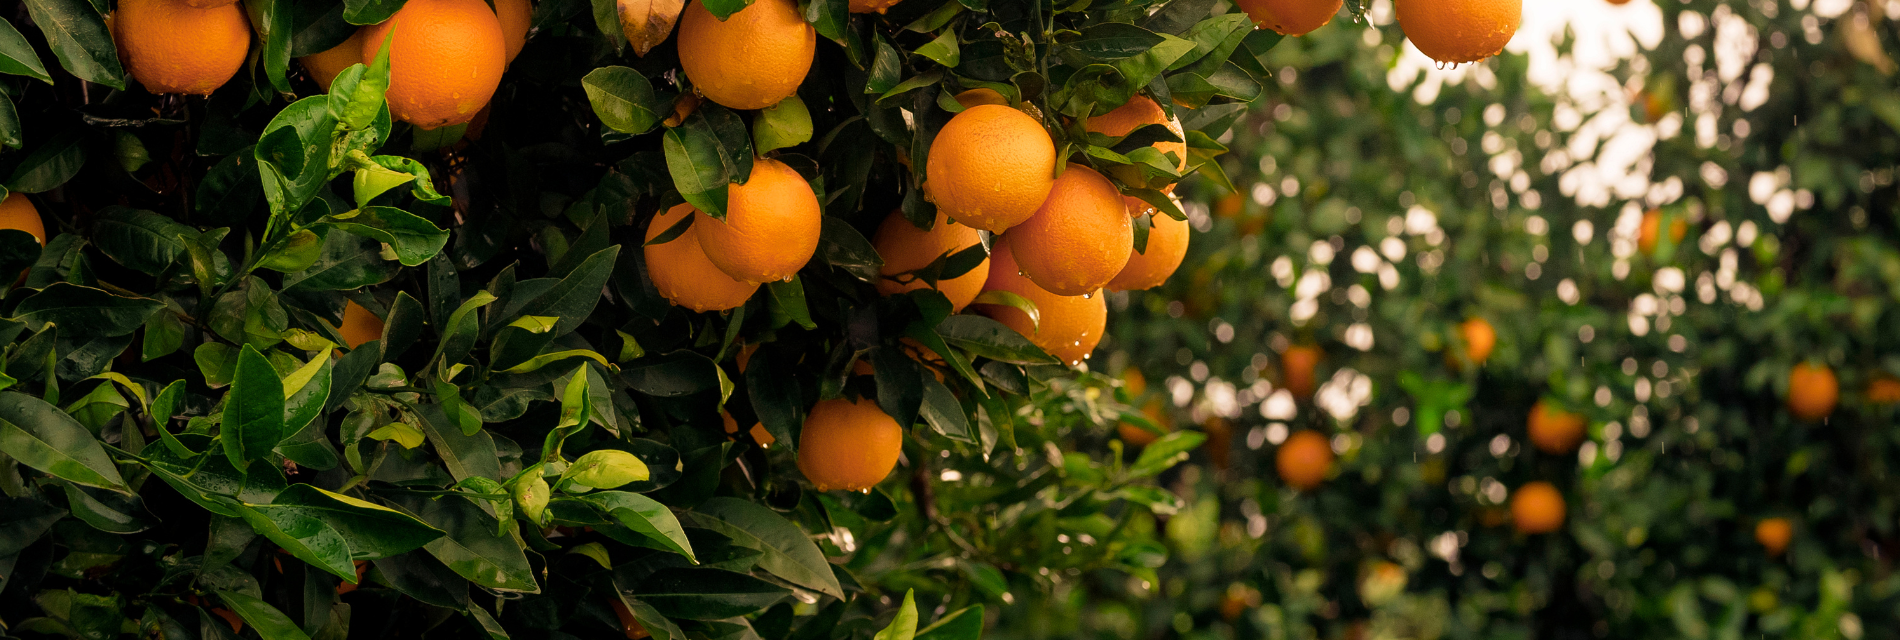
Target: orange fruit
[
  {"x": 848, "y": 445},
  {"x": 1651, "y": 231},
  {"x": 1134, "y": 384},
  {"x": 872, "y": 6},
  {"x": 515, "y": 17},
  {"x": 1884, "y": 390},
  {"x": 1140, "y": 111},
  {"x": 1080, "y": 238},
  {"x": 1238, "y": 599},
  {"x": 18, "y": 213},
  {"x": 1304, "y": 460},
  {"x": 1812, "y": 391},
  {"x": 172, "y": 47},
  {"x": 991, "y": 167},
  {"x": 1291, "y": 17},
  {"x": 752, "y": 59},
  {"x": 683, "y": 273},
  {"x": 1554, "y": 430},
  {"x": 1071, "y": 325},
  {"x": 1167, "y": 247},
  {"x": 906, "y": 248},
  {"x": 1230, "y": 205},
  {"x": 323, "y": 66},
  {"x": 1297, "y": 367},
  {"x": 359, "y": 325},
  {"x": 1136, "y": 436},
  {"x": 444, "y": 63},
  {"x": 758, "y": 432},
  {"x": 1480, "y": 338},
  {"x": 975, "y": 97},
  {"x": 1537, "y": 507},
  {"x": 1459, "y": 31},
  {"x": 1774, "y": 534},
  {"x": 771, "y": 226}
]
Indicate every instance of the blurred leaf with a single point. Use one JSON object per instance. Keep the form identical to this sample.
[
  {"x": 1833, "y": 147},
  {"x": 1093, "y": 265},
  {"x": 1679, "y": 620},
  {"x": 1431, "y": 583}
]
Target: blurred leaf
[{"x": 904, "y": 626}]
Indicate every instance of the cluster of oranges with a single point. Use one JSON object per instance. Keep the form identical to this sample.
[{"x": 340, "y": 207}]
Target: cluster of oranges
[
  {"x": 446, "y": 56},
  {"x": 1449, "y": 31}
]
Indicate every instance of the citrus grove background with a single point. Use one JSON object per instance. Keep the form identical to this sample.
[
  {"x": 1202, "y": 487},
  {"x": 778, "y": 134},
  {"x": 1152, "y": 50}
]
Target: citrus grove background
[{"x": 948, "y": 319}]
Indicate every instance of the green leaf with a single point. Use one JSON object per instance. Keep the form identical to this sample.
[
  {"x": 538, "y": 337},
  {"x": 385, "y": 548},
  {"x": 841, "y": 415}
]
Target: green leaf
[
  {"x": 11, "y": 135},
  {"x": 904, "y": 626},
  {"x": 84, "y": 311},
  {"x": 78, "y": 36},
  {"x": 698, "y": 167},
  {"x": 943, "y": 50},
  {"x": 605, "y": 469},
  {"x": 17, "y": 56},
  {"x": 472, "y": 550},
  {"x": 962, "y": 624},
  {"x": 1109, "y": 41},
  {"x": 723, "y": 9},
  {"x": 465, "y": 455},
  {"x": 306, "y": 393},
  {"x": 141, "y": 240},
  {"x": 346, "y": 262},
  {"x": 303, "y": 535},
  {"x": 293, "y": 155},
  {"x": 461, "y": 330},
  {"x": 414, "y": 238},
  {"x": 886, "y": 68},
  {"x": 623, "y": 99},
  {"x": 789, "y": 551},
  {"x": 942, "y": 410},
  {"x": 670, "y": 375},
  {"x": 400, "y": 433},
  {"x": 269, "y": 623},
  {"x": 840, "y": 245},
  {"x": 270, "y": 19},
  {"x": 41, "y": 436},
  {"x": 991, "y": 339},
  {"x": 646, "y": 517},
  {"x": 704, "y": 594},
  {"x": 573, "y": 298},
  {"x": 372, "y": 531},
  {"x": 782, "y": 125},
  {"x": 1165, "y": 452},
  {"x": 369, "y": 12},
  {"x": 52, "y": 164},
  {"x": 357, "y": 93},
  {"x": 253, "y": 421}
]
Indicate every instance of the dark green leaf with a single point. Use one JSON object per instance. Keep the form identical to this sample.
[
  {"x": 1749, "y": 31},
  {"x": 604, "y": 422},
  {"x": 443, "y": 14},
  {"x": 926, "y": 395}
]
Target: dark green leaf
[
  {"x": 17, "y": 56},
  {"x": 53, "y": 163},
  {"x": 705, "y": 594},
  {"x": 840, "y": 245},
  {"x": 270, "y": 623},
  {"x": 698, "y": 167},
  {"x": 141, "y": 240},
  {"x": 789, "y": 551},
  {"x": 253, "y": 421},
  {"x": 962, "y": 624},
  {"x": 991, "y": 339},
  {"x": 79, "y": 39},
  {"x": 368, "y": 12},
  {"x": 673, "y": 374},
  {"x": 472, "y": 550},
  {"x": 623, "y": 99},
  {"x": 414, "y": 238},
  {"x": 646, "y": 517},
  {"x": 41, "y": 436},
  {"x": 85, "y": 311}
]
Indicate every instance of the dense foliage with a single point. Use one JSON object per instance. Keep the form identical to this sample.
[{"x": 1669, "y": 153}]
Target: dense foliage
[{"x": 196, "y": 441}]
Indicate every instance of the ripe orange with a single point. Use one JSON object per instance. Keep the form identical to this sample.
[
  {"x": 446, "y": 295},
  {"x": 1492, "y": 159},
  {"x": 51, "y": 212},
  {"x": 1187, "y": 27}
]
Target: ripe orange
[
  {"x": 1238, "y": 599},
  {"x": 172, "y": 47},
  {"x": 1812, "y": 391},
  {"x": 1134, "y": 384},
  {"x": 758, "y": 432},
  {"x": 753, "y": 59},
  {"x": 991, "y": 167},
  {"x": 1774, "y": 534},
  {"x": 1297, "y": 367},
  {"x": 17, "y": 212},
  {"x": 323, "y": 66},
  {"x": 444, "y": 63},
  {"x": 1304, "y": 460},
  {"x": 975, "y": 97},
  {"x": 771, "y": 227},
  {"x": 1480, "y": 338},
  {"x": 1291, "y": 17},
  {"x": 872, "y": 6},
  {"x": 1080, "y": 238},
  {"x": 1167, "y": 247},
  {"x": 1537, "y": 507},
  {"x": 1138, "y": 437},
  {"x": 1459, "y": 31},
  {"x": 1651, "y": 231},
  {"x": 1140, "y": 111},
  {"x": 848, "y": 445},
  {"x": 906, "y": 248},
  {"x": 1071, "y": 325},
  {"x": 1230, "y": 205},
  {"x": 359, "y": 325},
  {"x": 515, "y": 17},
  {"x": 682, "y": 272},
  {"x": 1884, "y": 390},
  {"x": 1554, "y": 430}
]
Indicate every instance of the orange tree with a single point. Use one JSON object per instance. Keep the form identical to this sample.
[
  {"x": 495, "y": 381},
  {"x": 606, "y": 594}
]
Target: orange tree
[
  {"x": 453, "y": 318},
  {"x": 1673, "y": 416}
]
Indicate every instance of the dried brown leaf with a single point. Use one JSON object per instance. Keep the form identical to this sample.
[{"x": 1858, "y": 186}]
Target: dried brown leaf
[{"x": 647, "y": 22}]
